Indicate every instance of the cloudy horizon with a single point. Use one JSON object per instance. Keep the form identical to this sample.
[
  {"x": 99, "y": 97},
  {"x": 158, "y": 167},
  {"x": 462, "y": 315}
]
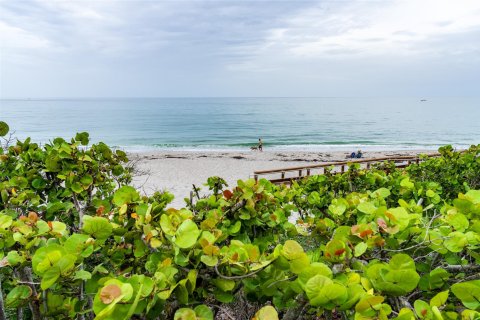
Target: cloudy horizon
[{"x": 239, "y": 48}]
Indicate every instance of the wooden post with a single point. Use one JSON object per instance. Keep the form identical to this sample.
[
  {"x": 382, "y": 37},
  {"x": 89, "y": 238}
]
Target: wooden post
[
  {"x": 342, "y": 168},
  {"x": 308, "y": 172},
  {"x": 283, "y": 174},
  {"x": 255, "y": 177},
  {"x": 368, "y": 165},
  {"x": 299, "y": 173}
]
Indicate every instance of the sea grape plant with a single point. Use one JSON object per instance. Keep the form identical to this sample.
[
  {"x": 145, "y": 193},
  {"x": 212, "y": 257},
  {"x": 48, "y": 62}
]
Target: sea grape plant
[{"x": 78, "y": 241}]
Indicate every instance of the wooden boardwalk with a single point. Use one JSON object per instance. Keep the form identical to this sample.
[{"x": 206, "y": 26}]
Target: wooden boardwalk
[{"x": 286, "y": 175}]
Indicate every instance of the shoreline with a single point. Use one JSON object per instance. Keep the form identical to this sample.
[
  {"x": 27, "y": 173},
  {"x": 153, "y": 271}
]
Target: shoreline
[
  {"x": 178, "y": 171},
  {"x": 291, "y": 148}
]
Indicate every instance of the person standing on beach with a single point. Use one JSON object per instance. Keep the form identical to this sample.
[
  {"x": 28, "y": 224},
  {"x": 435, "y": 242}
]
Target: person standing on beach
[{"x": 260, "y": 144}]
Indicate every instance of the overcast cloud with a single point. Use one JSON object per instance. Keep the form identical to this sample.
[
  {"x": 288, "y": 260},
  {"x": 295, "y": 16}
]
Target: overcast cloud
[{"x": 239, "y": 48}]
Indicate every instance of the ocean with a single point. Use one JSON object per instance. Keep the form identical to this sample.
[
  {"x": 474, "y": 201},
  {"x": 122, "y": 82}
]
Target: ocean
[{"x": 310, "y": 124}]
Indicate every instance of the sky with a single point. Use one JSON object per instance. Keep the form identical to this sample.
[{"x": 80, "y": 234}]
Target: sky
[{"x": 181, "y": 48}]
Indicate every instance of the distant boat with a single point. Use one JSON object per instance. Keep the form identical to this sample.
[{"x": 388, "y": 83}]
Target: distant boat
[{"x": 423, "y": 100}]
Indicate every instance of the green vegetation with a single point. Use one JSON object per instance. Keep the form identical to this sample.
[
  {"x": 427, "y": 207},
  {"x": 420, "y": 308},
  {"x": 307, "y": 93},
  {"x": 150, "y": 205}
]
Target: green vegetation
[{"x": 78, "y": 242}]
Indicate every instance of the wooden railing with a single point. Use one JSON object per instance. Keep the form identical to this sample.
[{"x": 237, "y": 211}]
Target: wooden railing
[{"x": 283, "y": 175}]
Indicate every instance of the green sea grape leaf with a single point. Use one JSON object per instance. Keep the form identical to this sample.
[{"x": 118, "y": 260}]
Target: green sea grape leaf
[
  {"x": 402, "y": 261},
  {"x": 82, "y": 137},
  {"x": 338, "y": 206},
  {"x": 19, "y": 182},
  {"x": 439, "y": 299},
  {"x": 474, "y": 196},
  {"x": 433, "y": 280},
  {"x": 3, "y": 129},
  {"x": 360, "y": 249},
  {"x": 400, "y": 282},
  {"x": 407, "y": 183},
  {"x": 313, "y": 198},
  {"x": 316, "y": 268},
  {"x": 181, "y": 292},
  {"x": 468, "y": 292},
  {"x": 18, "y": 295},
  {"x": 335, "y": 293},
  {"x": 335, "y": 250},
  {"x": 399, "y": 216},
  {"x": 14, "y": 258},
  {"x": 185, "y": 314},
  {"x": 313, "y": 289},
  {"x": 266, "y": 313},
  {"x": 224, "y": 284},
  {"x": 52, "y": 163},
  {"x": 134, "y": 305},
  {"x": 381, "y": 192},
  {"x": 49, "y": 277},
  {"x": 42, "y": 227},
  {"x": 430, "y": 193},
  {"x": 405, "y": 314},
  {"x": 166, "y": 225},
  {"x": 98, "y": 227},
  {"x": 66, "y": 263},
  {"x": 76, "y": 187},
  {"x": 125, "y": 195},
  {"x": 369, "y": 303},
  {"x": 5, "y": 221},
  {"x": 355, "y": 292},
  {"x": 469, "y": 315},
  {"x": 224, "y": 297},
  {"x": 210, "y": 261},
  {"x": 292, "y": 250},
  {"x": 46, "y": 257},
  {"x": 86, "y": 180},
  {"x": 463, "y": 205},
  {"x": 82, "y": 275},
  {"x": 235, "y": 228},
  {"x": 58, "y": 227},
  {"x": 187, "y": 234},
  {"x": 397, "y": 278},
  {"x": 422, "y": 309},
  {"x": 296, "y": 265},
  {"x": 75, "y": 244},
  {"x": 39, "y": 183},
  {"x": 458, "y": 221},
  {"x": 203, "y": 312},
  {"x": 367, "y": 207},
  {"x": 456, "y": 241}
]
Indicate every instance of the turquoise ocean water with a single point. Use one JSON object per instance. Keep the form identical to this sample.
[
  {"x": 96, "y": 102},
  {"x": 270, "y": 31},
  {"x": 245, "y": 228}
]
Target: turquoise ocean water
[{"x": 313, "y": 124}]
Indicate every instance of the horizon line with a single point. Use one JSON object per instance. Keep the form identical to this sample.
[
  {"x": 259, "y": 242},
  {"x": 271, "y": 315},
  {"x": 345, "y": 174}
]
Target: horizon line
[{"x": 234, "y": 97}]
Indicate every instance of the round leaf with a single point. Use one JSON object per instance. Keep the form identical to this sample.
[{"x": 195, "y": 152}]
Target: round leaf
[
  {"x": 17, "y": 295},
  {"x": 125, "y": 195},
  {"x": 266, "y": 313},
  {"x": 98, "y": 227},
  {"x": 187, "y": 234},
  {"x": 3, "y": 129}
]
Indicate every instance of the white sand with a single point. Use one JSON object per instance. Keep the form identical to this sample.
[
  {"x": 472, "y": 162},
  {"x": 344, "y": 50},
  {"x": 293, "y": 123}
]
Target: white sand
[{"x": 177, "y": 171}]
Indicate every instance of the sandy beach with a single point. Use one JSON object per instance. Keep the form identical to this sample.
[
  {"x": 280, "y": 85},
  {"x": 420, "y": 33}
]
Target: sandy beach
[{"x": 177, "y": 171}]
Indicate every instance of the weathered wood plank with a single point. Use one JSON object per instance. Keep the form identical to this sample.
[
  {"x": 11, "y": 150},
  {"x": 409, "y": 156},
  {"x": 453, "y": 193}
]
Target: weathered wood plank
[{"x": 400, "y": 162}]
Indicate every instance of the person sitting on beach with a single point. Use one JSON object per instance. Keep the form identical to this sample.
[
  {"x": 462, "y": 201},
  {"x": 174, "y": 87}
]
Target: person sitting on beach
[
  {"x": 359, "y": 154},
  {"x": 352, "y": 155},
  {"x": 260, "y": 144}
]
